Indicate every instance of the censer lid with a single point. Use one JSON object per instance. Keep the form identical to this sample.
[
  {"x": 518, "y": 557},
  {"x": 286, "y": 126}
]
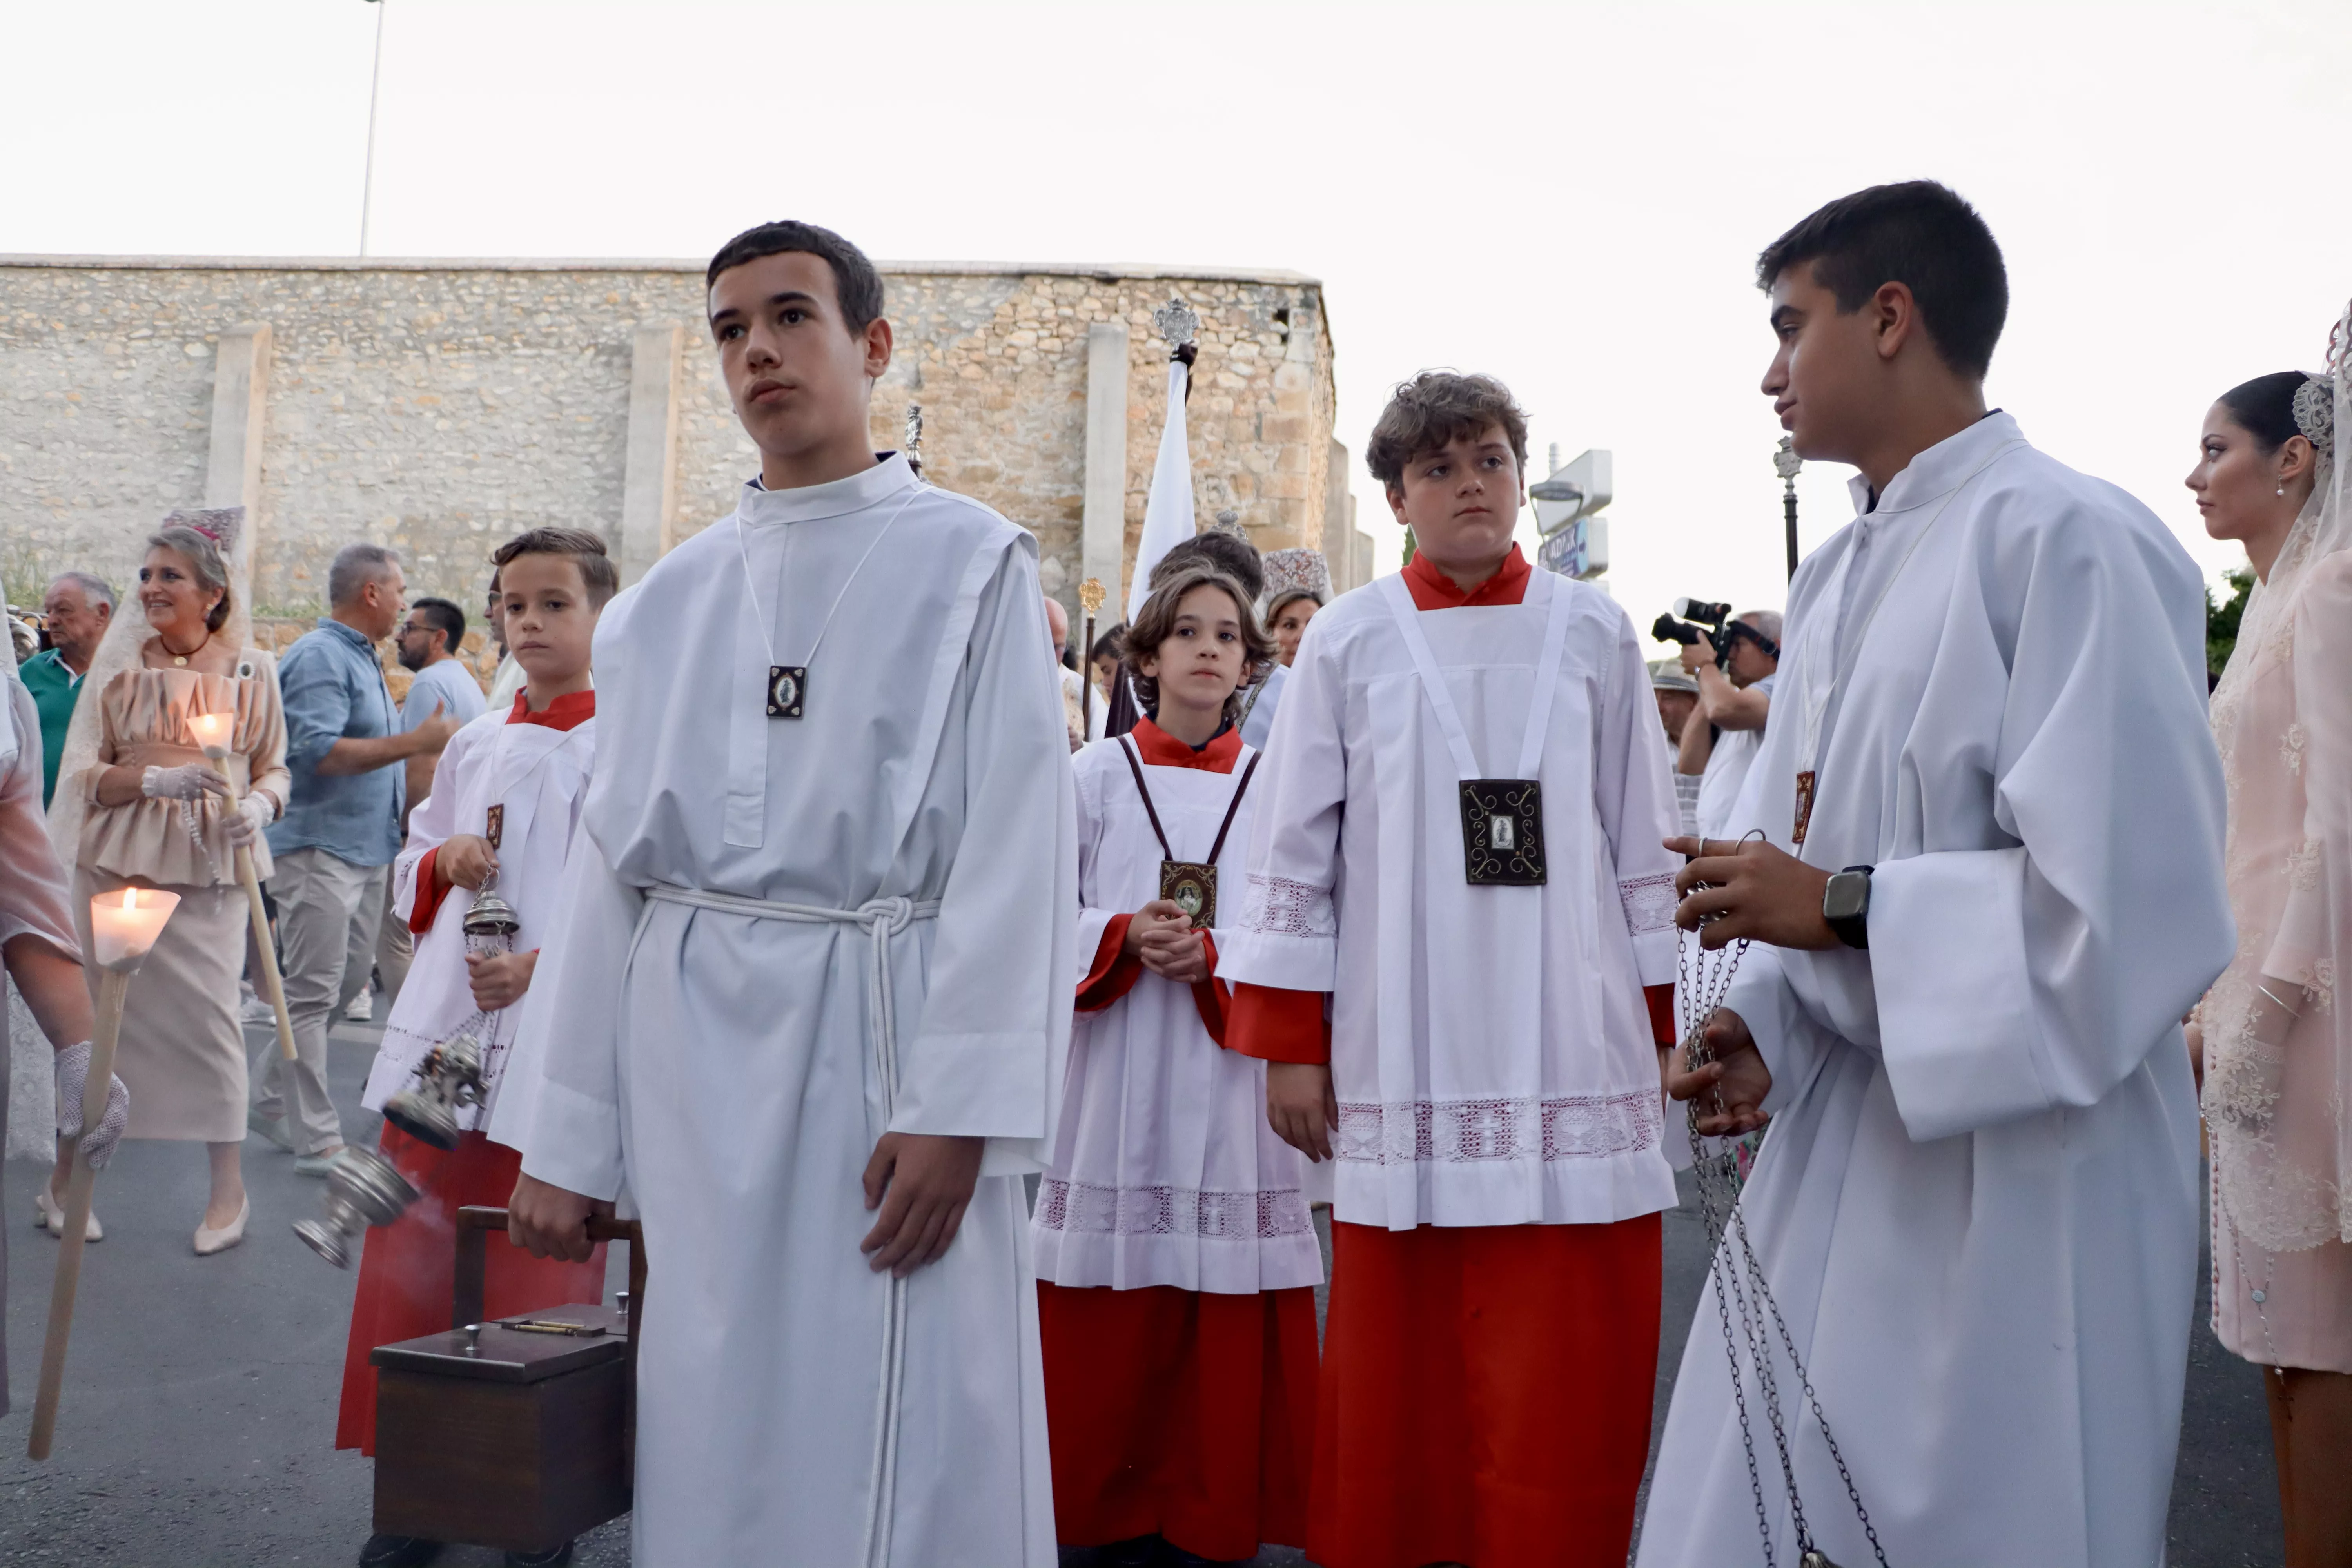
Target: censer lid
[{"x": 491, "y": 915}]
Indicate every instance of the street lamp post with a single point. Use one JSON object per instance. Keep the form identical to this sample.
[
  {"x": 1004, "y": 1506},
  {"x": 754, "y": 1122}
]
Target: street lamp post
[
  {"x": 1785, "y": 463},
  {"x": 367, "y": 180}
]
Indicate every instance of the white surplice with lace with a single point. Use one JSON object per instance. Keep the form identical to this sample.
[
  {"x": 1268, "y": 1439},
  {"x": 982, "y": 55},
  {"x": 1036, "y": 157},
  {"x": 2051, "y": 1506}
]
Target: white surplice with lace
[
  {"x": 725, "y": 1068},
  {"x": 1167, "y": 1172},
  {"x": 1490, "y": 1047},
  {"x": 1977, "y": 1205}
]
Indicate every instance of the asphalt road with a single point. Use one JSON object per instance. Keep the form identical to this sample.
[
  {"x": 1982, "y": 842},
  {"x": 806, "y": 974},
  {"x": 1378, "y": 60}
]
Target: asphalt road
[{"x": 200, "y": 1398}]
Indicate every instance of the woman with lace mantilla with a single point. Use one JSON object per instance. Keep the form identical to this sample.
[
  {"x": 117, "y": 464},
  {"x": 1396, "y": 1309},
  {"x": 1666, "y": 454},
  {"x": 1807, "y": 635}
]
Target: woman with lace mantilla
[
  {"x": 158, "y": 813},
  {"x": 2276, "y": 1050}
]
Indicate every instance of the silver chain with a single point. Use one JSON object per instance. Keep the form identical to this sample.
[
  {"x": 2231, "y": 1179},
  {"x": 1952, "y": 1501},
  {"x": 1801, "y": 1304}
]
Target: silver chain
[{"x": 1738, "y": 1279}]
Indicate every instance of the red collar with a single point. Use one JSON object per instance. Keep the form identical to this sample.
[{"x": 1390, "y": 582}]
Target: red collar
[
  {"x": 1162, "y": 750},
  {"x": 1433, "y": 589},
  {"x": 566, "y": 712}
]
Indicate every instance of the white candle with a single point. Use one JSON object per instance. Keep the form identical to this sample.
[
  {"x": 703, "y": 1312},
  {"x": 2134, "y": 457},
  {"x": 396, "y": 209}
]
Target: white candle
[
  {"x": 210, "y": 730},
  {"x": 124, "y": 924}
]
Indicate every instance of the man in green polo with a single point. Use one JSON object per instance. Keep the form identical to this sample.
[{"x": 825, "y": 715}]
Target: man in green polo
[{"x": 76, "y": 611}]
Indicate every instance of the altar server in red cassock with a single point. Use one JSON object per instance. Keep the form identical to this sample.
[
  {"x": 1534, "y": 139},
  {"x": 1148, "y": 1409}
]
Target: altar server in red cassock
[
  {"x": 505, "y": 799},
  {"x": 1176, "y": 1257},
  {"x": 1455, "y": 953}
]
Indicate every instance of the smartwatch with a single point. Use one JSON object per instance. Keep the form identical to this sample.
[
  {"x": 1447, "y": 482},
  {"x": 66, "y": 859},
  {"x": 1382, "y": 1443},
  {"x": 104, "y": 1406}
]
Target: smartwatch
[{"x": 1845, "y": 905}]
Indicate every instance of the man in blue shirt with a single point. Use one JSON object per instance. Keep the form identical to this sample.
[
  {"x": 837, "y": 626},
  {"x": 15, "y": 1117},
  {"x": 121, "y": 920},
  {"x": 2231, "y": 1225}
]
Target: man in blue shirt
[
  {"x": 75, "y": 612},
  {"x": 340, "y": 833}
]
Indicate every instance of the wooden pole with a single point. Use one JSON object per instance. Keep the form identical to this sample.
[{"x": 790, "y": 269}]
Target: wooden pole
[
  {"x": 271, "y": 979},
  {"x": 112, "y": 986}
]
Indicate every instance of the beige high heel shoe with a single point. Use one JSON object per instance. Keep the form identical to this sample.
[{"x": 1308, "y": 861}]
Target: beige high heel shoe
[
  {"x": 51, "y": 1218},
  {"x": 209, "y": 1241}
]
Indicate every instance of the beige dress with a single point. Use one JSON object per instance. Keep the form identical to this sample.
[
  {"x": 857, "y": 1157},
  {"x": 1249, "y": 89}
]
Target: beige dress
[
  {"x": 183, "y": 1051},
  {"x": 2281, "y": 1128}
]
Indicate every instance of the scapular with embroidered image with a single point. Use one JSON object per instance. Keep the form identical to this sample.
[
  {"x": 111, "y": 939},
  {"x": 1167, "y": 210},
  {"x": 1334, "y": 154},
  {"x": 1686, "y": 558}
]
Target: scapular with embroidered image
[
  {"x": 1189, "y": 885},
  {"x": 1502, "y": 819}
]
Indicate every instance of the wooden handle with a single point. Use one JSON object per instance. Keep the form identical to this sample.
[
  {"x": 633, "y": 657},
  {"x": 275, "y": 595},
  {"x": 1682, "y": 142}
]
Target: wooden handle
[
  {"x": 275, "y": 982},
  {"x": 271, "y": 980},
  {"x": 112, "y": 986}
]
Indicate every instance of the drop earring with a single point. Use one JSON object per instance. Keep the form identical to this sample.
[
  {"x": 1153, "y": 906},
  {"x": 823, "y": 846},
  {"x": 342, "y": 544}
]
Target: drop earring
[{"x": 2282, "y": 490}]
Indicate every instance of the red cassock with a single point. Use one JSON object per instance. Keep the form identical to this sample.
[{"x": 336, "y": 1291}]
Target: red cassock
[
  {"x": 409, "y": 1267},
  {"x": 1185, "y": 1414}
]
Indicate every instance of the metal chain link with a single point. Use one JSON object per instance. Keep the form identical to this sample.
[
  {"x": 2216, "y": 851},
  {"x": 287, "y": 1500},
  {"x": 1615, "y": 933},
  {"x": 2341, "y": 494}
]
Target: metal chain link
[{"x": 1737, "y": 1278}]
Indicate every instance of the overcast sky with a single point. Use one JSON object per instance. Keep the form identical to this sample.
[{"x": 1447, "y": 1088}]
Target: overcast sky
[{"x": 1569, "y": 197}]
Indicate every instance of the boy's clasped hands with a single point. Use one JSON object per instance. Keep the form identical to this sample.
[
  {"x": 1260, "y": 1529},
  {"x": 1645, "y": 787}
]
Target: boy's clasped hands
[{"x": 1160, "y": 936}]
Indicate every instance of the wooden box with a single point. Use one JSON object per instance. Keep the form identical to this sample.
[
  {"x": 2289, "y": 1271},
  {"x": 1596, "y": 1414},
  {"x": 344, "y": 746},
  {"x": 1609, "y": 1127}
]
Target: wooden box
[{"x": 520, "y": 1441}]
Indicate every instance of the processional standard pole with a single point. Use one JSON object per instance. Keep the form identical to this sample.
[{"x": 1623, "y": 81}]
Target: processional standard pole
[
  {"x": 1785, "y": 463},
  {"x": 1090, "y": 599}
]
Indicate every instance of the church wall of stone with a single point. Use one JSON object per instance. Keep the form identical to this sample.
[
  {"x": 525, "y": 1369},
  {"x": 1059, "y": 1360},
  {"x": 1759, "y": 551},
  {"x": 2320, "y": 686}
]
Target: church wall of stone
[{"x": 440, "y": 407}]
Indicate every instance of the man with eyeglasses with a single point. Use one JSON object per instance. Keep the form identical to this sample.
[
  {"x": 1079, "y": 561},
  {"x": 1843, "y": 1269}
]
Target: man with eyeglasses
[{"x": 427, "y": 641}]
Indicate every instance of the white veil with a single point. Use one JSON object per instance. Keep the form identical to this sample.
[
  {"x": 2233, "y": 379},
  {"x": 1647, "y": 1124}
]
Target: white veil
[{"x": 2281, "y": 1116}]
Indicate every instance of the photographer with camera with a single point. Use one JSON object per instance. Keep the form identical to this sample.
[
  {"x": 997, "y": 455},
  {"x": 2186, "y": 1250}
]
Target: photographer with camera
[{"x": 1734, "y": 661}]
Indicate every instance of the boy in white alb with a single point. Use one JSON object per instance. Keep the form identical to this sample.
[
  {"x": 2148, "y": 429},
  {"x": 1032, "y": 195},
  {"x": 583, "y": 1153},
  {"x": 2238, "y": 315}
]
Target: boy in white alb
[
  {"x": 1458, "y": 843},
  {"x": 506, "y": 795},
  {"x": 1176, "y": 1257},
  {"x": 813, "y": 986},
  {"x": 1985, "y": 884}
]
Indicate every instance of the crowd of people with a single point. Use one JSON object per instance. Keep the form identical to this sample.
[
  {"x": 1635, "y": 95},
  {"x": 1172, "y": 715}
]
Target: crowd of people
[{"x": 976, "y": 1093}]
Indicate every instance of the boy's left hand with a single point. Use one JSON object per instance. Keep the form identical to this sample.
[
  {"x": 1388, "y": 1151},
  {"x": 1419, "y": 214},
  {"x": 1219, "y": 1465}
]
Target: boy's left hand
[
  {"x": 1760, "y": 892},
  {"x": 500, "y": 979}
]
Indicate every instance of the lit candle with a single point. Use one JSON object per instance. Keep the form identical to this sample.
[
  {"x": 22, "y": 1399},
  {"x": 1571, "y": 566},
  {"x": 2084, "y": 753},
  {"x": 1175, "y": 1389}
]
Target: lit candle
[
  {"x": 125, "y": 923},
  {"x": 210, "y": 730}
]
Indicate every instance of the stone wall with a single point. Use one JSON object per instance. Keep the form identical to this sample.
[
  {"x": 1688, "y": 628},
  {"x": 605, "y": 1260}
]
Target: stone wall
[{"x": 440, "y": 407}]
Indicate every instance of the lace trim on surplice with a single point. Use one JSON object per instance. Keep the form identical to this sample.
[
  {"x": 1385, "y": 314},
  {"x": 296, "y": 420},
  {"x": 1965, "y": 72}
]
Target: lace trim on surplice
[
  {"x": 1649, "y": 902},
  {"x": 1067, "y": 1205},
  {"x": 1455, "y": 1131},
  {"x": 1280, "y": 907}
]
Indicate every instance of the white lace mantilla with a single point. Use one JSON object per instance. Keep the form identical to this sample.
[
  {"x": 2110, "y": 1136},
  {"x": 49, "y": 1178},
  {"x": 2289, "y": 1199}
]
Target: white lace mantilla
[
  {"x": 1452, "y": 1132},
  {"x": 1085, "y": 1206},
  {"x": 1284, "y": 908},
  {"x": 1649, "y": 902}
]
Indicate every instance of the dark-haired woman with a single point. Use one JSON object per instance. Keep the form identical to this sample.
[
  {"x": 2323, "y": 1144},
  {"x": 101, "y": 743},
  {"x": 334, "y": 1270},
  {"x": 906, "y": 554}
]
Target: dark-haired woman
[
  {"x": 2276, "y": 1044},
  {"x": 159, "y": 816}
]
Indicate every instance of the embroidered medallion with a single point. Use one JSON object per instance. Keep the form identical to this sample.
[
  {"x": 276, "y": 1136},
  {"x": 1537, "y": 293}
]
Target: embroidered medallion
[
  {"x": 787, "y": 686},
  {"x": 1502, "y": 833},
  {"x": 1804, "y": 807},
  {"x": 1193, "y": 888},
  {"x": 495, "y": 824}
]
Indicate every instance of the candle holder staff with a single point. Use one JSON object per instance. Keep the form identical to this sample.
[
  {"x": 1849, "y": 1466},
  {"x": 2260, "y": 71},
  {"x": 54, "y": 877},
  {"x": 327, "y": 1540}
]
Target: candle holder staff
[
  {"x": 150, "y": 810},
  {"x": 124, "y": 927}
]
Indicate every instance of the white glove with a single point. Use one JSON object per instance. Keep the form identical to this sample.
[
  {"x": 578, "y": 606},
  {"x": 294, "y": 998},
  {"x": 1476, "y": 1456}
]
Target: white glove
[
  {"x": 190, "y": 781},
  {"x": 73, "y": 1075},
  {"x": 254, "y": 813}
]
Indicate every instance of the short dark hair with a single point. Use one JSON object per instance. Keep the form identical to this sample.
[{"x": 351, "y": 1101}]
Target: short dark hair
[
  {"x": 1109, "y": 644},
  {"x": 441, "y": 613},
  {"x": 1229, "y": 552},
  {"x": 2265, "y": 406},
  {"x": 1436, "y": 408},
  {"x": 1919, "y": 234},
  {"x": 857, "y": 286},
  {"x": 1155, "y": 623},
  {"x": 597, "y": 572}
]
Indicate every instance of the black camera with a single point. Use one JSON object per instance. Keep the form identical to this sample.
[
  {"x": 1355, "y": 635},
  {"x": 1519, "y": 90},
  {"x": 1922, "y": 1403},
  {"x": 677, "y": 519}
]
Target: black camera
[{"x": 1708, "y": 621}]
